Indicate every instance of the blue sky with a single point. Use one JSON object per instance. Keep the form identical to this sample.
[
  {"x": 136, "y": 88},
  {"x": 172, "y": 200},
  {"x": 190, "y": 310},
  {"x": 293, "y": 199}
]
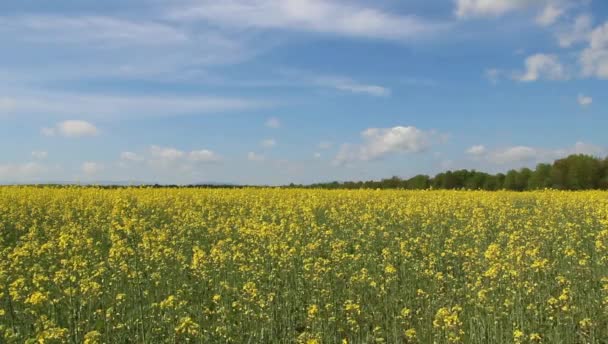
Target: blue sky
[{"x": 273, "y": 92}]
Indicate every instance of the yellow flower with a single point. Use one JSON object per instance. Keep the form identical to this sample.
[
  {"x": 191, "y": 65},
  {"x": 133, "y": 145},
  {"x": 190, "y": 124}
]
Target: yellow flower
[
  {"x": 312, "y": 311},
  {"x": 92, "y": 337},
  {"x": 37, "y": 298},
  {"x": 390, "y": 269}
]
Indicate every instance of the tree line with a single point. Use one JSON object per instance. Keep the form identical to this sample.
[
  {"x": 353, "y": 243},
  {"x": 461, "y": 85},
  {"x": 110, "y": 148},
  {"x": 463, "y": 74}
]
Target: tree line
[{"x": 575, "y": 172}]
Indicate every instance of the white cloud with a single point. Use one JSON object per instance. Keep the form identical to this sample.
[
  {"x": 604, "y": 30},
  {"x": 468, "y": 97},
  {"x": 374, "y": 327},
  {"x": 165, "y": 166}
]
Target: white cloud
[
  {"x": 124, "y": 106},
  {"x": 90, "y": 29},
  {"x": 166, "y": 153},
  {"x": 550, "y": 10},
  {"x": 203, "y": 155},
  {"x": 352, "y": 86},
  {"x": 581, "y": 148},
  {"x": 268, "y": 143},
  {"x": 76, "y": 128},
  {"x": 549, "y": 15},
  {"x": 512, "y": 155},
  {"x": 252, "y": 156},
  {"x": 317, "y": 155},
  {"x": 71, "y": 128},
  {"x": 273, "y": 123},
  {"x": 381, "y": 142},
  {"x": 527, "y": 155},
  {"x": 336, "y": 82},
  {"x": 81, "y": 48},
  {"x": 594, "y": 59},
  {"x": 40, "y": 155},
  {"x": 319, "y": 16},
  {"x": 542, "y": 66},
  {"x": 487, "y": 8},
  {"x": 584, "y": 100},
  {"x": 166, "y": 156},
  {"x": 477, "y": 150},
  {"x": 579, "y": 31},
  {"x": 91, "y": 168},
  {"x": 130, "y": 156},
  {"x": 18, "y": 172}
]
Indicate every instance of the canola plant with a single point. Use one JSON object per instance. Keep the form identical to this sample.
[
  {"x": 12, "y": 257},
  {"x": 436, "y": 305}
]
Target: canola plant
[{"x": 87, "y": 265}]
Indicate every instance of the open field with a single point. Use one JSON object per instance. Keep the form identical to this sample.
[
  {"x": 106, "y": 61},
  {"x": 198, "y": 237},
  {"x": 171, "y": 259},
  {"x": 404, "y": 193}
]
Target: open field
[{"x": 302, "y": 266}]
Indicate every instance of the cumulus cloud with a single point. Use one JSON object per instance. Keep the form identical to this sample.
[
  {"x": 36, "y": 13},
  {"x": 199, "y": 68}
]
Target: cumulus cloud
[
  {"x": 378, "y": 142},
  {"x": 578, "y": 31},
  {"x": 584, "y": 100},
  {"x": 40, "y": 155},
  {"x": 581, "y": 148},
  {"x": 526, "y": 154},
  {"x": 477, "y": 150},
  {"x": 268, "y": 143},
  {"x": 542, "y": 66},
  {"x": 166, "y": 153},
  {"x": 549, "y": 15},
  {"x": 273, "y": 123},
  {"x": 594, "y": 59},
  {"x": 203, "y": 155},
  {"x": 71, "y": 128},
  {"x": 170, "y": 154},
  {"x": 317, "y": 16},
  {"x": 130, "y": 156},
  {"x": 513, "y": 154}
]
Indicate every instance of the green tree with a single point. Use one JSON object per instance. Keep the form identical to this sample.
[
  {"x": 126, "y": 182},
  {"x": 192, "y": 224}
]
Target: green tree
[
  {"x": 510, "y": 182},
  {"x": 419, "y": 182},
  {"x": 541, "y": 177}
]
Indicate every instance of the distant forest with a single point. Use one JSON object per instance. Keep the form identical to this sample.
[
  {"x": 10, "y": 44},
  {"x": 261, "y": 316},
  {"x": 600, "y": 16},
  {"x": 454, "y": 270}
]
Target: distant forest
[{"x": 576, "y": 172}]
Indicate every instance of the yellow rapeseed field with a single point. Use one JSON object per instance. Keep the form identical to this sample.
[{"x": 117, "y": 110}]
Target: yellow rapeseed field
[{"x": 87, "y": 265}]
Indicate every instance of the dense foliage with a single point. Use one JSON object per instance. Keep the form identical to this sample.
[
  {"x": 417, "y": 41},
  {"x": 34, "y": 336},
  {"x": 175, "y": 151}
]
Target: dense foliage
[
  {"x": 576, "y": 172},
  {"x": 302, "y": 266}
]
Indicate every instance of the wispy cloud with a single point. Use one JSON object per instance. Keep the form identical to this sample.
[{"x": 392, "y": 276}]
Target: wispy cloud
[
  {"x": 84, "y": 47},
  {"x": 549, "y": 11},
  {"x": 60, "y": 104},
  {"x": 336, "y": 82},
  {"x": 352, "y": 86},
  {"x": 317, "y": 16},
  {"x": 97, "y": 32}
]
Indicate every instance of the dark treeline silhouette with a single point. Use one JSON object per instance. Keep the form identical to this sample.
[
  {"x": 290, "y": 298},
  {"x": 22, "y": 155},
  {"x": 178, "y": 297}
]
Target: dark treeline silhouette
[{"x": 576, "y": 172}]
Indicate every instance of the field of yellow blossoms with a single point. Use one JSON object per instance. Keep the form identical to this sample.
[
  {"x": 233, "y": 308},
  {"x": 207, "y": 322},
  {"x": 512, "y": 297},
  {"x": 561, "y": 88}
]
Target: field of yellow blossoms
[{"x": 87, "y": 265}]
